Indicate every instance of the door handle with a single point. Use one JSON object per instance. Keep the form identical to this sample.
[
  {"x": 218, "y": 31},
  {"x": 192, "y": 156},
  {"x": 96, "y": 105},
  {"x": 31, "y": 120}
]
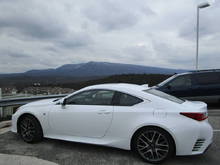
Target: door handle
[
  {"x": 107, "y": 112},
  {"x": 101, "y": 112},
  {"x": 104, "y": 112}
]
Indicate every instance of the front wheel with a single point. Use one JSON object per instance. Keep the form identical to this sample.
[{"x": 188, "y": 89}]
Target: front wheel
[
  {"x": 30, "y": 129},
  {"x": 153, "y": 145}
]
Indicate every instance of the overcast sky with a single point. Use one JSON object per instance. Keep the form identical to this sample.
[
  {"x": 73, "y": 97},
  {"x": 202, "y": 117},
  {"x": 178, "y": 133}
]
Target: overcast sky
[{"x": 39, "y": 34}]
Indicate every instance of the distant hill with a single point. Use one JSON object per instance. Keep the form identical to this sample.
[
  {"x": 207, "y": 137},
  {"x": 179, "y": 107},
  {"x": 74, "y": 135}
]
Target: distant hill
[
  {"x": 92, "y": 69},
  {"x": 79, "y": 75}
]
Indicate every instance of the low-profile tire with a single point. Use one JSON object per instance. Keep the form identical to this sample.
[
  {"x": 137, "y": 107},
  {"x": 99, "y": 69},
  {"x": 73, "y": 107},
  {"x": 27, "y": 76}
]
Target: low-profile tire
[
  {"x": 153, "y": 145},
  {"x": 30, "y": 129}
]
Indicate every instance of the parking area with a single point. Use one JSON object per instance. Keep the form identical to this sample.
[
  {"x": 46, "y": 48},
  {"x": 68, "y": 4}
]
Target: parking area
[{"x": 66, "y": 153}]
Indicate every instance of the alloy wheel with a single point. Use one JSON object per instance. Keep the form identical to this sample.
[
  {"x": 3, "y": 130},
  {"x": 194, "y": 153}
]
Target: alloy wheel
[
  {"x": 27, "y": 129},
  {"x": 152, "y": 145}
]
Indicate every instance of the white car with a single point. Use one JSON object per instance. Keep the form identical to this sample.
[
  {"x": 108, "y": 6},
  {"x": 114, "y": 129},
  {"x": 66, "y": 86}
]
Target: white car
[{"x": 154, "y": 124}]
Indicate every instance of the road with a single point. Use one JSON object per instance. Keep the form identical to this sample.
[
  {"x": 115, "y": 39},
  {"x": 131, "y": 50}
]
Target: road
[{"x": 68, "y": 153}]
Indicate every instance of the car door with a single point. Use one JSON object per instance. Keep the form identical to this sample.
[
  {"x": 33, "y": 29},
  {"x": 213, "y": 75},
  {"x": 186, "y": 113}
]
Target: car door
[
  {"x": 128, "y": 112},
  {"x": 86, "y": 114}
]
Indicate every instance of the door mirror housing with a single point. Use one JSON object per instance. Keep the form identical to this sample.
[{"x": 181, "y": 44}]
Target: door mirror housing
[{"x": 64, "y": 102}]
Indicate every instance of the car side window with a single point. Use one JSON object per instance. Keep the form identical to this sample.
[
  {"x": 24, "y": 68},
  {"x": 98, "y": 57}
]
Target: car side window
[
  {"x": 208, "y": 78},
  {"x": 127, "y": 100},
  {"x": 92, "y": 97},
  {"x": 181, "y": 82}
]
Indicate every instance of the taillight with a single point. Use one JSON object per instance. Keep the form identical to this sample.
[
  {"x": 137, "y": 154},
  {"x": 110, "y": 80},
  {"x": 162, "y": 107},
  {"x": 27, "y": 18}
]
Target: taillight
[{"x": 194, "y": 115}]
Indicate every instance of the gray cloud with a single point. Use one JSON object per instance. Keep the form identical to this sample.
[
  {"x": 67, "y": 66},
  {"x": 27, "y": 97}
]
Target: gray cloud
[
  {"x": 112, "y": 15},
  {"x": 17, "y": 55},
  {"x": 38, "y": 34},
  {"x": 75, "y": 41},
  {"x": 12, "y": 54},
  {"x": 208, "y": 23},
  {"x": 32, "y": 20}
]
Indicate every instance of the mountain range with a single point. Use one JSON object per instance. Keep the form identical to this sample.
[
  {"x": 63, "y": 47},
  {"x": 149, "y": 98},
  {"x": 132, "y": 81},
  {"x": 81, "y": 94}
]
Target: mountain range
[{"x": 94, "y": 69}]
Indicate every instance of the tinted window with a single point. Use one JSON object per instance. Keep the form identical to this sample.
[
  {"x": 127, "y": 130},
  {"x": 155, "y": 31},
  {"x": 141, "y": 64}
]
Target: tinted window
[
  {"x": 207, "y": 78},
  {"x": 167, "y": 80},
  {"x": 127, "y": 100},
  {"x": 164, "y": 95},
  {"x": 181, "y": 81},
  {"x": 92, "y": 97}
]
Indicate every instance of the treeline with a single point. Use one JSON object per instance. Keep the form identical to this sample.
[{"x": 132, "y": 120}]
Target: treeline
[
  {"x": 76, "y": 82},
  {"x": 150, "y": 79}
]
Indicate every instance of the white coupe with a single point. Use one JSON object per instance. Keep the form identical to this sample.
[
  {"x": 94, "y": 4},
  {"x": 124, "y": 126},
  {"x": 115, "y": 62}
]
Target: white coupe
[{"x": 153, "y": 124}]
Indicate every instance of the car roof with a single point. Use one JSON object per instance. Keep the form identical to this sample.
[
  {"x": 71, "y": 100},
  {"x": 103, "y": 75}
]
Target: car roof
[
  {"x": 204, "y": 71},
  {"x": 119, "y": 86},
  {"x": 200, "y": 71}
]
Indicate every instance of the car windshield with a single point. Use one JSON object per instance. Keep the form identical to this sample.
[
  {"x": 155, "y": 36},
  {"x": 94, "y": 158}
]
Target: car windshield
[
  {"x": 164, "y": 95},
  {"x": 167, "y": 80}
]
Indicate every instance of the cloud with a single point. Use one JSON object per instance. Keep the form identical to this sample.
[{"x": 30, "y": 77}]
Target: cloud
[
  {"x": 208, "y": 25},
  {"x": 39, "y": 34},
  {"x": 17, "y": 55},
  {"x": 76, "y": 40},
  {"x": 30, "y": 19},
  {"x": 12, "y": 54},
  {"x": 115, "y": 15}
]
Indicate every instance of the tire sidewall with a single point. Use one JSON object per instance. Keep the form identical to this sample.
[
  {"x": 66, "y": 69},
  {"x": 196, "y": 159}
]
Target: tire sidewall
[
  {"x": 166, "y": 134},
  {"x": 38, "y": 135}
]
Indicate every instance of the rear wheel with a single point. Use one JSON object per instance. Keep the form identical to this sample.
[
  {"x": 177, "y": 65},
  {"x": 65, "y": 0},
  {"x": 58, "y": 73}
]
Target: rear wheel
[
  {"x": 153, "y": 145},
  {"x": 30, "y": 129}
]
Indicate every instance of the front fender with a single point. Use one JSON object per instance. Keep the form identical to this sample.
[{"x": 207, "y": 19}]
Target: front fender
[{"x": 40, "y": 115}]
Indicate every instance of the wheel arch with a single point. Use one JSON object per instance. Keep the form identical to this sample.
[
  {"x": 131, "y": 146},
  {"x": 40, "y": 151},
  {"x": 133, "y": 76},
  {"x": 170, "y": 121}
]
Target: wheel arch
[
  {"x": 153, "y": 126},
  {"x": 25, "y": 115}
]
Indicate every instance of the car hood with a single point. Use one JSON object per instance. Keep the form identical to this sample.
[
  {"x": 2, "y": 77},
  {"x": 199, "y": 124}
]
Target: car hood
[{"x": 41, "y": 102}]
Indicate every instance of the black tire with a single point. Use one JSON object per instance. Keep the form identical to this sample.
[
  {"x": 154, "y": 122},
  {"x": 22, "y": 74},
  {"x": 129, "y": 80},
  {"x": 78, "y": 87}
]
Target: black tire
[
  {"x": 30, "y": 129},
  {"x": 156, "y": 149}
]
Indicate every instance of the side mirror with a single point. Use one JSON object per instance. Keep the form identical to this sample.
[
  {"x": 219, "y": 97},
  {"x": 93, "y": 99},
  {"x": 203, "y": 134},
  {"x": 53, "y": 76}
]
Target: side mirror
[{"x": 64, "y": 102}]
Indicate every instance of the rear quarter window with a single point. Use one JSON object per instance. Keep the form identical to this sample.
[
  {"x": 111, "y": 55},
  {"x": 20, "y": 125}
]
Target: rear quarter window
[{"x": 127, "y": 100}]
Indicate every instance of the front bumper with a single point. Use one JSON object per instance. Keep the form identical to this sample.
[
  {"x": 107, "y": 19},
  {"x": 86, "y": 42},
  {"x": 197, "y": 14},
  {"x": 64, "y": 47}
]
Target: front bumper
[{"x": 14, "y": 123}]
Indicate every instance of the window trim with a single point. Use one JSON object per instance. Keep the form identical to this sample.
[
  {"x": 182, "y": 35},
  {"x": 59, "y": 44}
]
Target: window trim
[
  {"x": 113, "y": 98},
  {"x": 93, "y": 90}
]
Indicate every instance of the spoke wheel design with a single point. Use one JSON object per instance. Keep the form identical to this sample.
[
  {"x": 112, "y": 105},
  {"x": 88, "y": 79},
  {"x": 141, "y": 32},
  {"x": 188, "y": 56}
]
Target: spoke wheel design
[
  {"x": 27, "y": 129},
  {"x": 152, "y": 145},
  {"x": 30, "y": 129}
]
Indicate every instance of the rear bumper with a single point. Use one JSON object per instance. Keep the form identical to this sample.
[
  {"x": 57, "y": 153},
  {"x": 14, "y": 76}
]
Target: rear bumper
[
  {"x": 208, "y": 147},
  {"x": 196, "y": 141},
  {"x": 203, "y": 149},
  {"x": 206, "y": 133}
]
